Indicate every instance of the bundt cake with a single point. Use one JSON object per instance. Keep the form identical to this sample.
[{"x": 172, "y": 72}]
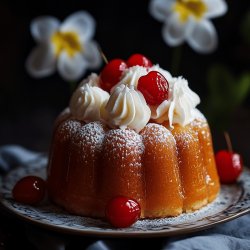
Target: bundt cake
[{"x": 145, "y": 140}]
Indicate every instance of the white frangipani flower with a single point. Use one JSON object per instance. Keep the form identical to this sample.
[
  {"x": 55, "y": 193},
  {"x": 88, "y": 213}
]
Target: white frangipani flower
[
  {"x": 188, "y": 20},
  {"x": 67, "y": 47}
]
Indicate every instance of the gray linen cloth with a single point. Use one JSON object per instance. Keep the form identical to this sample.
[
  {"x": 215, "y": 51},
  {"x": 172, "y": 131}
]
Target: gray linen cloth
[{"x": 228, "y": 236}]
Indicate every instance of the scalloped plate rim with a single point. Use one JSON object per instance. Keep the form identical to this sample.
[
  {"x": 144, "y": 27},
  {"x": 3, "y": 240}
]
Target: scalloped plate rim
[{"x": 6, "y": 204}]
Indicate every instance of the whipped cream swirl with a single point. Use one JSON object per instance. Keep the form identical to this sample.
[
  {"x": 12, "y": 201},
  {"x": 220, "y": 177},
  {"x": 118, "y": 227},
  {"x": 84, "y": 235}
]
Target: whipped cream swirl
[
  {"x": 127, "y": 108},
  {"x": 88, "y": 101},
  {"x": 93, "y": 80},
  {"x": 131, "y": 76},
  {"x": 180, "y": 106}
]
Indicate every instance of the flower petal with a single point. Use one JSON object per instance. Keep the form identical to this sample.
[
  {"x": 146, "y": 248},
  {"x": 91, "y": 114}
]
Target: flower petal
[
  {"x": 161, "y": 9},
  {"x": 215, "y": 8},
  {"x": 203, "y": 37},
  {"x": 174, "y": 31},
  {"x": 41, "y": 62},
  {"x": 92, "y": 55},
  {"x": 80, "y": 22},
  {"x": 43, "y": 27},
  {"x": 71, "y": 68}
]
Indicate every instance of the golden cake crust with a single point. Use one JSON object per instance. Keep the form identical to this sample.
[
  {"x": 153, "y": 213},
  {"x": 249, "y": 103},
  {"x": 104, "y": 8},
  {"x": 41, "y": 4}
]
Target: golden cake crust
[{"x": 167, "y": 172}]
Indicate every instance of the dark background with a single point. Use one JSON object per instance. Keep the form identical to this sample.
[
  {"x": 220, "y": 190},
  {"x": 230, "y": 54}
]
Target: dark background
[{"x": 29, "y": 106}]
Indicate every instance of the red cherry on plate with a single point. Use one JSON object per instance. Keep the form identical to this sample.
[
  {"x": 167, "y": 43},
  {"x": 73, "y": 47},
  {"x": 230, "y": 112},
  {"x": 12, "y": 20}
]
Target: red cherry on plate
[
  {"x": 111, "y": 73},
  {"x": 229, "y": 166},
  {"x": 122, "y": 211},
  {"x": 29, "y": 190},
  {"x": 139, "y": 59},
  {"x": 154, "y": 87}
]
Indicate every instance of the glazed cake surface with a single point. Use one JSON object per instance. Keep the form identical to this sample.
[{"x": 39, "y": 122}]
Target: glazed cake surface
[{"x": 155, "y": 156}]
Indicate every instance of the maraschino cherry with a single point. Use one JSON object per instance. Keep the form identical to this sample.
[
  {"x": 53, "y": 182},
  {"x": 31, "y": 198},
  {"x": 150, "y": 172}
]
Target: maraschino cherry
[
  {"x": 154, "y": 87},
  {"x": 139, "y": 59},
  {"x": 29, "y": 190},
  {"x": 122, "y": 211},
  {"x": 229, "y": 164},
  {"x": 111, "y": 73}
]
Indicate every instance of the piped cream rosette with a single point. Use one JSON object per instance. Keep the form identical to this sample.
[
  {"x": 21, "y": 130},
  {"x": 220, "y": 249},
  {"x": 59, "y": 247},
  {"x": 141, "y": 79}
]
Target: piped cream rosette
[
  {"x": 88, "y": 101},
  {"x": 126, "y": 106},
  {"x": 180, "y": 106}
]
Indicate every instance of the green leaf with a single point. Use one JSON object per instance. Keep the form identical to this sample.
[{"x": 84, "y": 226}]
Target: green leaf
[
  {"x": 242, "y": 89},
  {"x": 220, "y": 82},
  {"x": 225, "y": 94}
]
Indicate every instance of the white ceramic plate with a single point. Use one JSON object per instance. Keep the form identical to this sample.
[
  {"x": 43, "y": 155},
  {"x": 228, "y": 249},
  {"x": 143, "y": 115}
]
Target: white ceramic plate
[{"x": 232, "y": 202}]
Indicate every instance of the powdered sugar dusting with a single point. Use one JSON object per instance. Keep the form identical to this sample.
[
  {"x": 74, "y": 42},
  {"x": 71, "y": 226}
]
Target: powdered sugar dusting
[
  {"x": 185, "y": 139},
  {"x": 90, "y": 135},
  {"x": 156, "y": 133},
  {"x": 233, "y": 201},
  {"x": 206, "y": 211},
  {"x": 123, "y": 143},
  {"x": 67, "y": 129},
  {"x": 198, "y": 123},
  {"x": 201, "y": 128}
]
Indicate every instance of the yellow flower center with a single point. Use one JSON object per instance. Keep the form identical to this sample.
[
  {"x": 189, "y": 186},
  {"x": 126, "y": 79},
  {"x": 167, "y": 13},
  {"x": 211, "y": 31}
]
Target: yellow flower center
[
  {"x": 186, "y": 8},
  {"x": 66, "y": 41}
]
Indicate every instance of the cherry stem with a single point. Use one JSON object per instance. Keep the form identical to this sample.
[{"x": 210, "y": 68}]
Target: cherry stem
[
  {"x": 228, "y": 141},
  {"x": 103, "y": 56}
]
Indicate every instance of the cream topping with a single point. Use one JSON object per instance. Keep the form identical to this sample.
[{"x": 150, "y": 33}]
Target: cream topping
[
  {"x": 196, "y": 113},
  {"x": 88, "y": 101},
  {"x": 127, "y": 108},
  {"x": 93, "y": 80},
  {"x": 131, "y": 76},
  {"x": 180, "y": 106}
]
